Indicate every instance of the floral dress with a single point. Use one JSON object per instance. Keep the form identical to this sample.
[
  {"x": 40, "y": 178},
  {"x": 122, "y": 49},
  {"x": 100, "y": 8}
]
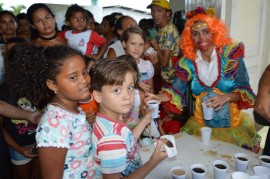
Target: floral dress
[{"x": 61, "y": 129}]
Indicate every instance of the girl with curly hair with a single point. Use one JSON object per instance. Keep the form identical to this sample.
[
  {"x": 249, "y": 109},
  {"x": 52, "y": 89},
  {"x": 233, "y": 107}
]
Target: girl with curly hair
[
  {"x": 214, "y": 65},
  {"x": 63, "y": 135}
]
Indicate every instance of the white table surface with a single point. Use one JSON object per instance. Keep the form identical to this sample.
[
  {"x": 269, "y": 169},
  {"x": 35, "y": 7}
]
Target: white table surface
[{"x": 190, "y": 150}]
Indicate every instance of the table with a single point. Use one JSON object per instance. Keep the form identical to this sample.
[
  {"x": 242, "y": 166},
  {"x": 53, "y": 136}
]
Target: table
[{"x": 190, "y": 150}]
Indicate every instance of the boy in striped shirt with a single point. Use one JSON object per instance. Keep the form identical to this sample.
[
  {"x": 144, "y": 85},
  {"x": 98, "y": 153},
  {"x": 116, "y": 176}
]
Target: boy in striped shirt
[{"x": 115, "y": 148}]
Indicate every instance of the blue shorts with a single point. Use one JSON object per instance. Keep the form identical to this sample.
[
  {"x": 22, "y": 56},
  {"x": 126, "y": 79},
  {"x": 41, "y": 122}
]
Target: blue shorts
[{"x": 17, "y": 158}]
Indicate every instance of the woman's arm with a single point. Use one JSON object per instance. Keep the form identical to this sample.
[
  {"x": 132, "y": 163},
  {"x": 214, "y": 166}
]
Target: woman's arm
[
  {"x": 262, "y": 101},
  {"x": 111, "y": 53},
  {"x": 52, "y": 162}
]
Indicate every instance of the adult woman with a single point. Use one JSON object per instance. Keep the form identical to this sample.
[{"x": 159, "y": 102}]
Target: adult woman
[
  {"x": 107, "y": 28},
  {"x": 43, "y": 23},
  {"x": 116, "y": 49},
  {"x": 214, "y": 66}
]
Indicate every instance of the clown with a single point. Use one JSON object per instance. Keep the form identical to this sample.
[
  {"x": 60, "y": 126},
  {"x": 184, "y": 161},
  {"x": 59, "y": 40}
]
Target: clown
[{"x": 214, "y": 66}]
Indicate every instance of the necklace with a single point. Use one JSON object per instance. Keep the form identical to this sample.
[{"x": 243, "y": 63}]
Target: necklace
[
  {"x": 49, "y": 38},
  {"x": 63, "y": 106}
]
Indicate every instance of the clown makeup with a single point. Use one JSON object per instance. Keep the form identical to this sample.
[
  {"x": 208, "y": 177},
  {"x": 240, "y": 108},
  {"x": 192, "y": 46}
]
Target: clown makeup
[{"x": 202, "y": 36}]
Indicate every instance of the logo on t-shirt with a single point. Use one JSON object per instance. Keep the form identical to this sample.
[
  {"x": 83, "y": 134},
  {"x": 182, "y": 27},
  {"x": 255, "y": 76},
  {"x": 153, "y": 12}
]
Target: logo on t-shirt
[{"x": 81, "y": 43}]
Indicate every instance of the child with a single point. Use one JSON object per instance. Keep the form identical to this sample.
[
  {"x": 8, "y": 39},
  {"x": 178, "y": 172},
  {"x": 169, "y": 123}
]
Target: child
[
  {"x": 63, "y": 135},
  {"x": 115, "y": 147},
  {"x": 11, "y": 111},
  {"x": 133, "y": 41},
  {"x": 116, "y": 49},
  {"x": 24, "y": 28},
  {"x": 19, "y": 134},
  {"x": 137, "y": 110},
  {"x": 87, "y": 41},
  {"x": 89, "y": 106}
]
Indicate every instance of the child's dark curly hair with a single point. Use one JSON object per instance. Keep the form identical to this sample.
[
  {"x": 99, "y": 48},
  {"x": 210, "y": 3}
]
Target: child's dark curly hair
[
  {"x": 28, "y": 67},
  {"x": 73, "y": 9}
]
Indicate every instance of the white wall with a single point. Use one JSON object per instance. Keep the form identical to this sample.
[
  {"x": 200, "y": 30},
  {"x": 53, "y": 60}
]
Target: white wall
[{"x": 134, "y": 14}]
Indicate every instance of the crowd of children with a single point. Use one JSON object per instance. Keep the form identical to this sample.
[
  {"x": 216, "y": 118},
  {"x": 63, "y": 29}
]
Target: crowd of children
[
  {"x": 46, "y": 69},
  {"x": 91, "y": 86}
]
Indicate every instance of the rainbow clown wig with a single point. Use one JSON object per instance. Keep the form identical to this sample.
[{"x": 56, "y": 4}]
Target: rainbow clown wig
[{"x": 216, "y": 27}]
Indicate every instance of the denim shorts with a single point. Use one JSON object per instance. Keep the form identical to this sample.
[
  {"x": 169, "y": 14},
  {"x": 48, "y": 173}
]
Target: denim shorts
[{"x": 17, "y": 158}]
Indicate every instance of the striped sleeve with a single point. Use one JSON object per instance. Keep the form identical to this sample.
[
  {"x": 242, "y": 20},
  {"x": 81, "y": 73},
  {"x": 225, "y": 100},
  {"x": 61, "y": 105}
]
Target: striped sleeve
[{"x": 112, "y": 152}]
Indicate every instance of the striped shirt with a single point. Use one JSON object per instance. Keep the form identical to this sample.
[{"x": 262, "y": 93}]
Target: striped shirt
[{"x": 115, "y": 149}]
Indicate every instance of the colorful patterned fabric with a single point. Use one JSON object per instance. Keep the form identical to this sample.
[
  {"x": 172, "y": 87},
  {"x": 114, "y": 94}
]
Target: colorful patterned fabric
[
  {"x": 62, "y": 129},
  {"x": 233, "y": 78},
  {"x": 168, "y": 39},
  {"x": 115, "y": 149}
]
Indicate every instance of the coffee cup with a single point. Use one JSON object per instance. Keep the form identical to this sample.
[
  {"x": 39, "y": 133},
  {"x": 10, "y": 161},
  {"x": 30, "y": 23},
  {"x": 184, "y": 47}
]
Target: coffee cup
[
  {"x": 178, "y": 172},
  {"x": 198, "y": 171},
  {"x": 220, "y": 169},
  {"x": 153, "y": 104},
  {"x": 207, "y": 112},
  {"x": 264, "y": 160},
  {"x": 206, "y": 135},
  {"x": 241, "y": 162},
  {"x": 262, "y": 171},
  {"x": 240, "y": 175}
]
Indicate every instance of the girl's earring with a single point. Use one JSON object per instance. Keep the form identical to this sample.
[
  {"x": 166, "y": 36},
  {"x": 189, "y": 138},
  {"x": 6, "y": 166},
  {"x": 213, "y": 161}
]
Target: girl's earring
[{"x": 55, "y": 92}]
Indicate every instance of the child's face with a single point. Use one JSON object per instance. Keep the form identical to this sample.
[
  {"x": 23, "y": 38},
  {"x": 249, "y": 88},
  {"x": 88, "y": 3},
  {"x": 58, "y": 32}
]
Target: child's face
[
  {"x": 24, "y": 26},
  {"x": 134, "y": 46},
  {"x": 7, "y": 24},
  {"x": 116, "y": 99},
  {"x": 78, "y": 22},
  {"x": 43, "y": 22},
  {"x": 73, "y": 82}
]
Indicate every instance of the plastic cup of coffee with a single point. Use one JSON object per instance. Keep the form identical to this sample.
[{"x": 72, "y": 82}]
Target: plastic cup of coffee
[
  {"x": 206, "y": 135},
  {"x": 198, "y": 171},
  {"x": 220, "y": 169},
  {"x": 241, "y": 162},
  {"x": 153, "y": 104},
  {"x": 240, "y": 175},
  {"x": 207, "y": 112},
  {"x": 178, "y": 172},
  {"x": 262, "y": 171},
  {"x": 264, "y": 161}
]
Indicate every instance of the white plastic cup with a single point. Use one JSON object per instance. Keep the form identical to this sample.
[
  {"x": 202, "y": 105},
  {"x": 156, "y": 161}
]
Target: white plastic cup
[
  {"x": 240, "y": 175},
  {"x": 153, "y": 104},
  {"x": 241, "y": 162},
  {"x": 206, "y": 135},
  {"x": 220, "y": 169},
  {"x": 207, "y": 112},
  {"x": 262, "y": 171},
  {"x": 255, "y": 177},
  {"x": 179, "y": 172},
  {"x": 265, "y": 161},
  {"x": 198, "y": 171}
]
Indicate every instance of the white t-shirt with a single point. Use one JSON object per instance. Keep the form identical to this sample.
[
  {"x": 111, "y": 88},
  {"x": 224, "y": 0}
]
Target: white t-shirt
[
  {"x": 118, "y": 48},
  {"x": 146, "y": 70}
]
